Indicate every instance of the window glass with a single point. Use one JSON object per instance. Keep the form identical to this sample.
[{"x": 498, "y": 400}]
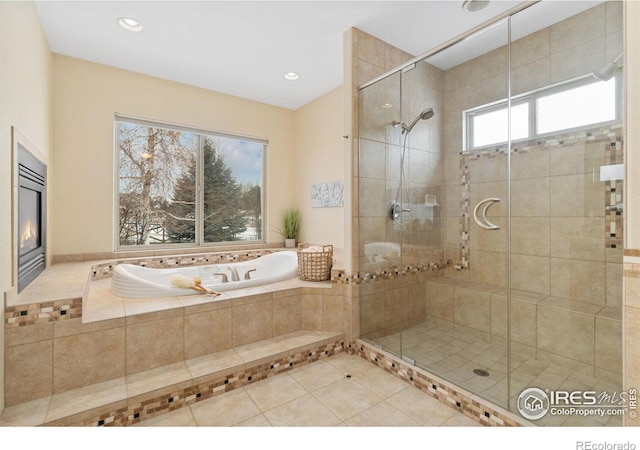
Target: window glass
[
  {"x": 159, "y": 172},
  {"x": 579, "y": 103},
  {"x": 491, "y": 127},
  {"x": 577, "y": 107}
]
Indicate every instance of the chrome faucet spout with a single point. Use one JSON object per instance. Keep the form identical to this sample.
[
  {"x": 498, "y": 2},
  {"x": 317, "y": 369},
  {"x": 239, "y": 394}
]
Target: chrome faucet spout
[
  {"x": 234, "y": 273},
  {"x": 247, "y": 274},
  {"x": 225, "y": 279}
]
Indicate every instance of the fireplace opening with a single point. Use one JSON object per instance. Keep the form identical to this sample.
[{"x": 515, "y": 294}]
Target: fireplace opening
[{"x": 31, "y": 237}]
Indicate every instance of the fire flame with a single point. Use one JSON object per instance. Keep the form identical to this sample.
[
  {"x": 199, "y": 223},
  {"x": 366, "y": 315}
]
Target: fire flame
[{"x": 29, "y": 234}]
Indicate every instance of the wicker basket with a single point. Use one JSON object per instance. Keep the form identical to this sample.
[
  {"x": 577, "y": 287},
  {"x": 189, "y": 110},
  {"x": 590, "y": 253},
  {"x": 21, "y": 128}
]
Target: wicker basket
[{"x": 315, "y": 266}]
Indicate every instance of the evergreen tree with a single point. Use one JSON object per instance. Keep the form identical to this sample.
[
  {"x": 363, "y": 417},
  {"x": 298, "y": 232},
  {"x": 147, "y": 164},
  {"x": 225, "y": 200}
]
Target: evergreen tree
[{"x": 223, "y": 216}]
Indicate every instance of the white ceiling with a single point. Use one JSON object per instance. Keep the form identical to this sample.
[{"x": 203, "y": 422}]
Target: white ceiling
[{"x": 243, "y": 48}]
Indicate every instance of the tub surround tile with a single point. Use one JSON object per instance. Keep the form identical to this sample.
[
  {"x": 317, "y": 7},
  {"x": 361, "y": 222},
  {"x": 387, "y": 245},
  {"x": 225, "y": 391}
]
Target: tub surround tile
[
  {"x": 155, "y": 343},
  {"x": 207, "y": 332},
  {"x": 26, "y": 378},
  {"x": 87, "y": 398},
  {"x": 161, "y": 378},
  {"x": 128, "y": 400},
  {"x": 88, "y": 358},
  {"x": 208, "y": 367},
  {"x": 28, "y": 414}
]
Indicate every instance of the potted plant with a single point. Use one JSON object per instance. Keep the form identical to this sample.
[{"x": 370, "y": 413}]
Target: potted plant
[{"x": 290, "y": 226}]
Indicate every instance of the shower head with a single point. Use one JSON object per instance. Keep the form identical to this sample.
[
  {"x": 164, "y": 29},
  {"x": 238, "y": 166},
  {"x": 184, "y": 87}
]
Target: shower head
[
  {"x": 607, "y": 71},
  {"x": 424, "y": 115}
]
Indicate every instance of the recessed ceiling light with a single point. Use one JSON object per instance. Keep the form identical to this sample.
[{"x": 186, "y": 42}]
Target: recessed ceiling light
[
  {"x": 387, "y": 105},
  {"x": 474, "y": 5},
  {"x": 130, "y": 24},
  {"x": 292, "y": 76}
]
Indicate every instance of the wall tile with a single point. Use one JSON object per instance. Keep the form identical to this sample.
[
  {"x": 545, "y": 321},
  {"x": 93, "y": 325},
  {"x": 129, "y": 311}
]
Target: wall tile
[
  {"x": 608, "y": 344},
  {"x": 207, "y": 332},
  {"x": 252, "y": 322},
  {"x": 154, "y": 343},
  {"x": 472, "y": 309},
  {"x": 29, "y": 376},
  {"x": 566, "y": 333},
  {"x": 287, "y": 315},
  {"x": 88, "y": 358}
]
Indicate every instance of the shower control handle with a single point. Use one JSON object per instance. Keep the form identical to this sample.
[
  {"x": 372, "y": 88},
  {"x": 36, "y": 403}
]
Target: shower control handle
[{"x": 485, "y": 224}]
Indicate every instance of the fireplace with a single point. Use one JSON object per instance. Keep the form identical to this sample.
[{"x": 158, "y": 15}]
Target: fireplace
[{"x": 31, "y": 215}]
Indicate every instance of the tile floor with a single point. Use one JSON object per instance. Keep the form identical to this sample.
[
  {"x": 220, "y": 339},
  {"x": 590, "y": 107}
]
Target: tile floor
[
  {"x": 342, "y": 390},
  {"x": 453, "y": 355}
]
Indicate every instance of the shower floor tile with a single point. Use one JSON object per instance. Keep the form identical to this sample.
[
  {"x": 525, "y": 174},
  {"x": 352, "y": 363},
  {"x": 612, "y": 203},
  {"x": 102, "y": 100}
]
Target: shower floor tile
[{"x": 454, "y": 356}]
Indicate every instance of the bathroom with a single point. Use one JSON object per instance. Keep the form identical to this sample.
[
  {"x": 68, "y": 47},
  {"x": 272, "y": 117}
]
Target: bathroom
[{"x": 431, "y": 240}]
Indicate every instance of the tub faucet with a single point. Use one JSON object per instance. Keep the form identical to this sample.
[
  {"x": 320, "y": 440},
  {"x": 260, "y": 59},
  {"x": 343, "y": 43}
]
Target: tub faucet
[
  {"x": 234, "y": 273},
  {"x": 225, "y": 279},
  {"x": 247, "y": 275}
]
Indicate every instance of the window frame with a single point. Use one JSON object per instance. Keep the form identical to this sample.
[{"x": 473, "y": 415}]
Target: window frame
[
  {"x": 201, "y": 133},
  {"x": 531, "y": 98}
]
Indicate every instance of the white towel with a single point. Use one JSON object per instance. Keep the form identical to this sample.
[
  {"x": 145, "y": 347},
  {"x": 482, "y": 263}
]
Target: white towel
[{"x": 313, "y": 249}]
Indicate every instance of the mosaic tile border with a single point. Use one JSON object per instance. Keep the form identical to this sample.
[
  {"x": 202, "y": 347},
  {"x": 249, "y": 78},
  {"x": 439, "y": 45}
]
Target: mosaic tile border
[
  {"x": 37, "y": 313},
  {"x": 104, "y": 270},
  {"x": 181, "y": 397},
  {"x": 482, "y": 412},
  {"x": 387, "y": 273}
]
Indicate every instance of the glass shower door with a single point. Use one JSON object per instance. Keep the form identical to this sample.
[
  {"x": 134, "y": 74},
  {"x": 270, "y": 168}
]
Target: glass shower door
[
  {"x": 379, "y": 155},
  {"x": 456, "y": 238},
  {"x": 566, "y": 214}
]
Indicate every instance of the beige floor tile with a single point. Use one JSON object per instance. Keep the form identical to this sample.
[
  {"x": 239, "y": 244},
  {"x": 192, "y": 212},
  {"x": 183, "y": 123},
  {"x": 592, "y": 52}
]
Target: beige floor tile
[
  {"x": 349, "y": 364},
  {"x": 224, "y": 410},
  {"x": 316, "y": 375},
  {"x": 382, "y": 383},
  {"x": 305, "y": 411},
  {"x": 256, "y": 421},
  {"x": 179, "y": 418},
  {"x": 425, "y": 410},
  {"x": 275, "y": 391},
  {"x": 381, "y": 414},
  {"x": 460, "y": 420},
  {"x": 346, "y": 398}
]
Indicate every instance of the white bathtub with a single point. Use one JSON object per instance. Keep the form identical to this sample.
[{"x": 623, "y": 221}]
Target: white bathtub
[{"x": 133, "y": 281}]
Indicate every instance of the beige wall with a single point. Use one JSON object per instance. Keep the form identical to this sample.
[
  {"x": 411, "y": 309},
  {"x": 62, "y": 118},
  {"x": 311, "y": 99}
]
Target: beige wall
[
  {"x": 86, "y": 97},
  {"x": 319, "y": 158},
  {"x": 25, "y": 103}
]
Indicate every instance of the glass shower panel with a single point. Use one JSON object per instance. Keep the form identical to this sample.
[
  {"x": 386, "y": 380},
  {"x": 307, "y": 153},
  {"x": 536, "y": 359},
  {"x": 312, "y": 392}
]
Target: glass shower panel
[
  {"x": 454, "y": 267},
  {"x": 566, "y": 231},
  {"x": 379, "y": 243}
]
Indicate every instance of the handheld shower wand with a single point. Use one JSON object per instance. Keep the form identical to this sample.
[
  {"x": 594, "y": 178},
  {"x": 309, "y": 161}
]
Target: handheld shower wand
[{"x": 424, "y": 115}]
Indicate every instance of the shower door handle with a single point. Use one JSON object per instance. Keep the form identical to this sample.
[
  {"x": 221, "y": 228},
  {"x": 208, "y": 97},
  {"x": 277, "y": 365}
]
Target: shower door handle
[{"x": 485, "y": 223}]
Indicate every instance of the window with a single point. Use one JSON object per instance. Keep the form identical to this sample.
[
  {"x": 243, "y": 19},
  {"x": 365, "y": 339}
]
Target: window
[
  {"x": 567, "y": 106},
  {"x": 181, "y": 186}
]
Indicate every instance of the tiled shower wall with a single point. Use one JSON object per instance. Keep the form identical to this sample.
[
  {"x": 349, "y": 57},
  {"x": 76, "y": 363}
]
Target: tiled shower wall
[{"x": 563, "y": 242}]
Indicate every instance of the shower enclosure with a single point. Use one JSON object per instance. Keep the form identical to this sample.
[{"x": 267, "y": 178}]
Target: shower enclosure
[{"x": 490, "y": 207}]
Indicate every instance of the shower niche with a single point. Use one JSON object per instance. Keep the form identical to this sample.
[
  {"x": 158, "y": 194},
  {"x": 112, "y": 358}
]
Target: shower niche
[{"x": 512, "y": 278}]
